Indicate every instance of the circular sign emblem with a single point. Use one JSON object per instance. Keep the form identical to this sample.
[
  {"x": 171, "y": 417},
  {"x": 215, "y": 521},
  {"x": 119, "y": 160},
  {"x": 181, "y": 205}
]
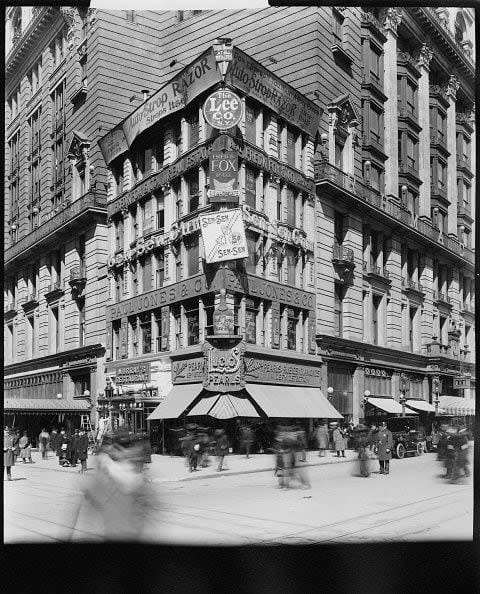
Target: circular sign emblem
[{"x": 223, "y": 109}]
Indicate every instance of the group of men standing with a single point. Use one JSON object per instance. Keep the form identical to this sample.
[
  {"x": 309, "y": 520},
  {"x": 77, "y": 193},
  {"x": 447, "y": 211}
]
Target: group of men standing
[
  {"x": 70, "y": 447},
  {"x": 197, "y": 446}
]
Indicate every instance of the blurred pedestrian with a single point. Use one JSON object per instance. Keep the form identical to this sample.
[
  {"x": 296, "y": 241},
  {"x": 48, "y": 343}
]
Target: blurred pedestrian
[
  {"x": 450, "y": 453},
  {"x": 301, "y": 442},
  {"x": 361, "y": 443},
  {"x": 221, "y": 447},
  {"x": 54, "y": 436},
  {"x": 8, "y": 455},
  {"x": 372, "y": 437},
  {"x": 118, "y": 492},
  {"x": 461, "y": 446},
  {"x": 16, "y": 443},
  {"x": 283, "y": 449},
  {"x": 62, "y": 448},
  {"x": 299, "y": 455},
  {"x": 82, "y": 450},
  {"x": 25, "y": 448},
  {"x": 322, "y": 439},
  {"x": 246, "y": 434},
  {"x": 43, "y": 442},
  {"x": 73, "y": 449},
  {"x": 385, "y": 445},
  {"x": 204, "y": 443},
  {"x": 339, "y": 441}
]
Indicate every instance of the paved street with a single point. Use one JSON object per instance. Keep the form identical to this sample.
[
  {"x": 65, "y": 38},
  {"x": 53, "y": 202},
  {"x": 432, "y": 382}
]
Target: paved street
[{"x": 410, "y": 504}]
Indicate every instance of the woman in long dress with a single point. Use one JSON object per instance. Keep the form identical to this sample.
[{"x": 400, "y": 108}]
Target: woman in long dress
[{"x": 25, "y": 448}]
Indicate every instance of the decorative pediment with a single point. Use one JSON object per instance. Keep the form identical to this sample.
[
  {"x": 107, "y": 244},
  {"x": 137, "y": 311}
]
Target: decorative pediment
[
  {"x": 79, "y": 145},
  {"x": 343, "y": 113}
]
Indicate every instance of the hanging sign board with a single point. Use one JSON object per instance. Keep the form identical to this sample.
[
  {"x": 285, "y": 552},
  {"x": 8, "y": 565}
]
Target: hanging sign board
[
  {"x": 223, "y": 109},
  {"x": 223, "y": 235},
  {"x": 223, "y": 177}
]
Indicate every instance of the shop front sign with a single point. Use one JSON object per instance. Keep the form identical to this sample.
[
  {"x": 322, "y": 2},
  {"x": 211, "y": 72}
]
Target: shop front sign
[
  {"x": 187, "y": 371},
  {"x": 281, "y": 372},
  {"x": 133, "y": 374},
  {"x": 223, "y": 368},
  {"x": 223, "y": 109},
  {"x": 372, "y": 371}
]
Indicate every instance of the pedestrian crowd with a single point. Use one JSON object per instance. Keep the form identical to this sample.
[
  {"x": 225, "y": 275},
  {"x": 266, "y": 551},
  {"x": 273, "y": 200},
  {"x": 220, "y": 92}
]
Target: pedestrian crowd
[
  {"x": 290, "y": 452},
  {"x": 198, "y": 446},
  {"x": 452, "y": 452}
]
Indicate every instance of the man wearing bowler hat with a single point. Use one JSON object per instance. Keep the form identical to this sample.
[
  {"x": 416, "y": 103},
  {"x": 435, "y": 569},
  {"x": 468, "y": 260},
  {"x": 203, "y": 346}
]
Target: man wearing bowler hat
[{"x": 385, "y": 445}]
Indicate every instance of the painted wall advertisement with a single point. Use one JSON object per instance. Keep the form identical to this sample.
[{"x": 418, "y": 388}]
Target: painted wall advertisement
[{"x": 223, "y": 235}]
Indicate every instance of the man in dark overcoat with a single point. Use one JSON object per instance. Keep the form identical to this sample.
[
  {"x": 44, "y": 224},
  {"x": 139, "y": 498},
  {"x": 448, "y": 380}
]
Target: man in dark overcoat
[
  {"x": 62, "y": 448},
  {"x": 221, "y": 447},
  {"x": 82, "y": 450},
  {"x": 54, "y": 440},
  {"x": 385, "y": 445},
  {"x": 72, "y": 455},
  {"x": 8, "y": 455}
]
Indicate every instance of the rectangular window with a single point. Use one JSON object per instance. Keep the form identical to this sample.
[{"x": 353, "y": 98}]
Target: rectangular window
[
  {"x": 374, "y": 64},
  {"x": 159, "y": 151},
  {"x": 291, "y": 211},
  {"x": 146, "y": 330},
  {"x": 411, "y": 327},
  {"x": 411, "y": 152},
  {"x": 193, "y": 191},
  {"x": 375, "y": 123},
  {"x": 193, "y": 324},
  {"x": 250, "y": 124},
  {"x": 441, "y": 126},
  {"x": 55, "y": 331},
  {"x": 58, "y": 102},
  {"x": 193, "y": 127},
  {"x": 291, "y": 143},
  {"x": 251, "y": 312},
  {"x": 147, "y": 273},
  {"x": 192, "y": 256},
  {"x": 279, "y": 139},
  {"x": 81, "y": 322},
  {"x": 292, "y": 321},
  {"x": 290, "y": 254},
  {"x": 339, "y": 146},
  {"x": 411, "y": 98},
  {"x": 135, "y": 279},
  {"x": 337, "y": 23},
  {"x": 133, "y": 338},
  {"x": 251, "y": 260},
  {"x": 34, "y": 125},
  {"x": 375, "y": 317},
  {"x": 279, "y": 202},
  {"x": 338, "y": 310},
  {"x": 119, "y": 234},
  {"x": 441, "y": 170},
  {"x": 116, "y": 324},
  {"x": 250, "y": 187},
  {"x": 160, "y": 219},
  {"x": 58, "y": 162},
  {"x": 160, "y": 270}
]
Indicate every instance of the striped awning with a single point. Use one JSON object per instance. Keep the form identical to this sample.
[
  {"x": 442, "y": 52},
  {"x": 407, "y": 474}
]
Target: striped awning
[
  {"x": 457, "y": 406},
  {"x": 390, "y": 405},
  {"x": 292, "y": 402},
  {"x": 45, "y": 405},
  {"x": 224, "y": 406}
]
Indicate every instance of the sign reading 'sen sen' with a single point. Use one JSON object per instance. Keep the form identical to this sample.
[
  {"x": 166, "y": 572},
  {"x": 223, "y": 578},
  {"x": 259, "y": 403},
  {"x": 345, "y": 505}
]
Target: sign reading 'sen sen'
[
  {"x": 223, "y": 235},
  {"x": 223, "y": 109}
]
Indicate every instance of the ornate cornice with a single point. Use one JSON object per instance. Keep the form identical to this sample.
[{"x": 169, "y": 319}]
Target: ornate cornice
[{"x": 391, "y": 19}]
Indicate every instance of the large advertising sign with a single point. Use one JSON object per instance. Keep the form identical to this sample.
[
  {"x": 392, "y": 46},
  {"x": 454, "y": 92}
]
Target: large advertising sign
[
  {"x": 247, "y": 75},
  {"x": 223, "y": 235},
  {"x": 223, "y": 177},
  {"x": 223, "y": 109},
  {"x": 223, "y": 369},
  {"x": 113, "y": 144}
]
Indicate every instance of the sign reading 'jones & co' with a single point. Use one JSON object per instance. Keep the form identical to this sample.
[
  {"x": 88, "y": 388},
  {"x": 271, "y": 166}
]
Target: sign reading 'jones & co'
[{"x": 223, "y": 368}]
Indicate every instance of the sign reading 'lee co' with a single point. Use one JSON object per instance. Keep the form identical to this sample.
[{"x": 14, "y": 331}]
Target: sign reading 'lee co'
[
  {"x": 223, "y": 368},
  {"x": 223, "y": 109}
]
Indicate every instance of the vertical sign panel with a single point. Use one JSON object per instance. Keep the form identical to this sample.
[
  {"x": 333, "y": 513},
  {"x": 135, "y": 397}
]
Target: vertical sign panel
[
  {"x": 275, "y": 324},
  {"x": 123, "y": 338},
  {"x": 312, "y": 330},
  {"x": 109, "y": 341},
  {"x": 165, "y": 317}
]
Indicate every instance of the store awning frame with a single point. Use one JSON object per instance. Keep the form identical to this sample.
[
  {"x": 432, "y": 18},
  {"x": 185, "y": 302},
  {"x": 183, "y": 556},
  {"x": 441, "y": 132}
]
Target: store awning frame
[
  {"x": 389, "y": 405},
  {"x": 44, "y": 405},
  {"x": 292, "y": 402},
  {"x": 176, "y": 401}
]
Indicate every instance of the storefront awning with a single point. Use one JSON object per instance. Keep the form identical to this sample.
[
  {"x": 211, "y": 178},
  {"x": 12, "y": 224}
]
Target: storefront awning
[
  {"x": 390, "y": 405},
  {"x": 176, "y": 401},
  {"x": 292, "y": 402},
  {"x": 224, "y": 406},
  {"x": 457, "y": 406},
  {"x": 45, "y": 405},
  {"x": 421, "y": 405}
]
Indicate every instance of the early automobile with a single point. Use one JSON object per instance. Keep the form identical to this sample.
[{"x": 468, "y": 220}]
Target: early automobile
[{"x": 408, "y": 436}]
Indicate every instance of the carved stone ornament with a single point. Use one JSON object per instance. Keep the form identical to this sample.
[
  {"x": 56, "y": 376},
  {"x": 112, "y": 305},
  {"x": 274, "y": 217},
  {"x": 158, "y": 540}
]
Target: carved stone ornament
[
  {"x": 452, "y": 86},
  {"x": 92, "y": 16},
  {"x": 342, "y": 114},
  {"x": 424, "y": 56},
  {"x": 69, "y": 14},
  {"x": 392, "y": 17}
]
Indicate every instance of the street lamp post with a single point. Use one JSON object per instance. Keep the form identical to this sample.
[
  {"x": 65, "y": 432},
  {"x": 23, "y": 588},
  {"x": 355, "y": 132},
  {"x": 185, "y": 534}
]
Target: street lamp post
[
  {"x": 403, "y": 390},
  {"x": 436, "y": 390}
]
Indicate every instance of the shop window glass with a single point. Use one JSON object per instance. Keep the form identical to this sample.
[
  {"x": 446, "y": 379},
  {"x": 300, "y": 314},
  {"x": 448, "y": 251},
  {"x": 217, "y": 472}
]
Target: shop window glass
[{"x": 292, "y": 320}]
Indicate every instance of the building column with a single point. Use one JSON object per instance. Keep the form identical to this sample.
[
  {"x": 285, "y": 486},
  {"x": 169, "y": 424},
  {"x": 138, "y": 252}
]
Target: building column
[
  {"x": 394, "y": 319},
  {"x": 424, "y": 58},
  {"x": 451, "y": 93},
  {"x": 426, "y": 280},
  {"x": 391, "y": 21},
  {"x": 358, "y": 408}
]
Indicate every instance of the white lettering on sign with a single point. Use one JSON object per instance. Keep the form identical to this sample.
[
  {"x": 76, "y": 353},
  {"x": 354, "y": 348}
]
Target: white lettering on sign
[
  {"x": 223, "y": 109},
  {"x": 224, "y": 236}
]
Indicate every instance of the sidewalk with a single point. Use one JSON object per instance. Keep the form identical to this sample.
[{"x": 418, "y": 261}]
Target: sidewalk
[{"x": 165, "y": 468}]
